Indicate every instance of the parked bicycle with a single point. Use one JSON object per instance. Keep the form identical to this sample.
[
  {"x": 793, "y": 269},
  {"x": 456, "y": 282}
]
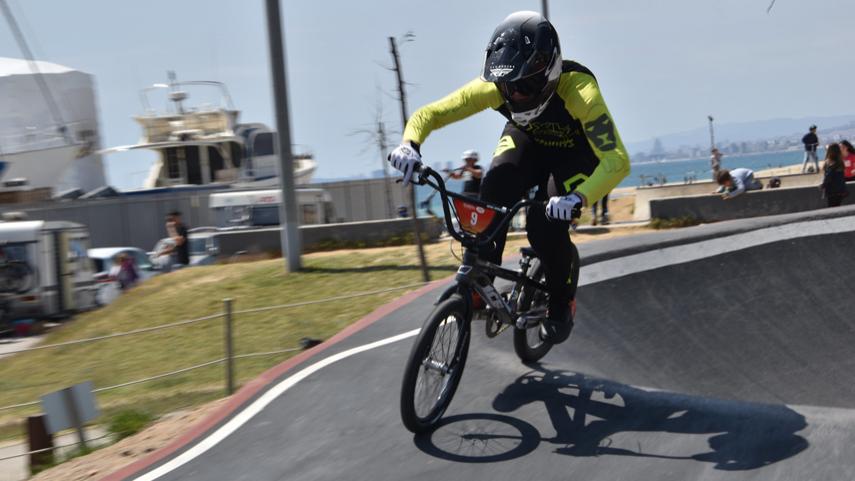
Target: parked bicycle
[{"x": 439, "y": 354}]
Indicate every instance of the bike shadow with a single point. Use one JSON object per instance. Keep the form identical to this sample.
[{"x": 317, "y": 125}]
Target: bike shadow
[{"x": 596, "y": 417}]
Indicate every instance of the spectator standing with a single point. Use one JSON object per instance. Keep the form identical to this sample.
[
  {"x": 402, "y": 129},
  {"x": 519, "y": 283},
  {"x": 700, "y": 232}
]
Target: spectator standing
[
  {"x": 736, "y": 182},
  {"x": 811, "y": 142},
  {"x": 179, "y": 251},
  {"x": 127, "y": 275},
  {"x": 833, "y": 184},
  {"x": 848, "y": 154},
  {"x": 472, "y": 172},
  {"x": 604, "y": 216},
  {"x": 715, "y": 162}
]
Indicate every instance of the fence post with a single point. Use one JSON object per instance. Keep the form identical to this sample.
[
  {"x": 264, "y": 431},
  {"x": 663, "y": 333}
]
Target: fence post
[
  {"x": 230, "y": 360},
  {"x": 39, "y": 438}
]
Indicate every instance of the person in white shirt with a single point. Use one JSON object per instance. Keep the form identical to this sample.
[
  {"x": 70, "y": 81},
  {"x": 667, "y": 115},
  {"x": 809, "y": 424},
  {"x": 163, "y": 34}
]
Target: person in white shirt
[{"x": 736, "y": 182}]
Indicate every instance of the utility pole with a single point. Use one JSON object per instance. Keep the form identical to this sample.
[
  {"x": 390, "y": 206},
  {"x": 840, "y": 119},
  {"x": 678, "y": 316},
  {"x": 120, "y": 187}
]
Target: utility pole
[
  {"x": 381, "y": 143},
  {"x": 412, "y": 190},
  {"x": 544, "y": 7},
  {"x": 290, "y": 234},
  {"x": 712, "y": 133}
]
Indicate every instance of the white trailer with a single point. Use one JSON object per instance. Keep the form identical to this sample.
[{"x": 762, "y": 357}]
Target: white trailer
[
  {"x": 260, "y": 208},
  {"x": 45, "y": 271}
]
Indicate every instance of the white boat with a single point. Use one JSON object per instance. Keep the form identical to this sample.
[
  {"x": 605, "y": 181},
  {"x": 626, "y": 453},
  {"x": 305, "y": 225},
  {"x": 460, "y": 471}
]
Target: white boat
[{"x": 205, "y": 144}]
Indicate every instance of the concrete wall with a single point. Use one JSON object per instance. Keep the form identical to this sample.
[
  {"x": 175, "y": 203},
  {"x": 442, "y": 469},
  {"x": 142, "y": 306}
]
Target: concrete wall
[
  {"x": 315, "y": 236},
  {"x": 643, "y": 195},
  {"x": 711, "y": 208}
]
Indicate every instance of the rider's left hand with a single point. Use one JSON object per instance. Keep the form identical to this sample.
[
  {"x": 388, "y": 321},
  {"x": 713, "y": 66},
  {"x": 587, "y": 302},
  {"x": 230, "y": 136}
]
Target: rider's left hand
[{"x": 564, "y": 208}]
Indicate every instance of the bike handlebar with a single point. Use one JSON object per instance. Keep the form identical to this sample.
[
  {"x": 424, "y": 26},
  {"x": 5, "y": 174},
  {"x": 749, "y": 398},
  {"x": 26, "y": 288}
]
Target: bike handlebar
[{"x": 424, "y": 175}]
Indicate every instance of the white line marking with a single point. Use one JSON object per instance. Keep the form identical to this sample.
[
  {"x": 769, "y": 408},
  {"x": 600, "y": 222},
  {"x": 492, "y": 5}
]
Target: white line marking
[
  {"x": 241, "y": 418},
  {"x": 601, "y": 271}
]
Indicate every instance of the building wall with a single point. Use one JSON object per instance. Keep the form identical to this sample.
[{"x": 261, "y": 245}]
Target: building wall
[
  {"x": 138, "y": 220},
  {"x": 711, "y": 208}
]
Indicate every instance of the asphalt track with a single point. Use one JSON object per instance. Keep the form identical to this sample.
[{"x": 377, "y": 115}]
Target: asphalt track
[{"x": 722, "y": 352}]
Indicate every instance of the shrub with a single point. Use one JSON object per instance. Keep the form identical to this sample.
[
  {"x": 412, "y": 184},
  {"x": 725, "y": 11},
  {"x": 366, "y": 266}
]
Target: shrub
[{"x": 128, "y": 422}]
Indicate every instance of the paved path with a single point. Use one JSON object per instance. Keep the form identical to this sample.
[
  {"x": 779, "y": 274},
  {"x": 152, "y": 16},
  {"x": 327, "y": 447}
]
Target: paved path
[
  {"x": 9, "y": 344},
  {"x": 718, "y": 353},
  {"x": 17, "y": 468}
]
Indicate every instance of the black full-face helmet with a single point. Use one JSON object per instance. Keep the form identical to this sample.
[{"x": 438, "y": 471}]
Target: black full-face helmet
[{"x": 524, "y": 61}]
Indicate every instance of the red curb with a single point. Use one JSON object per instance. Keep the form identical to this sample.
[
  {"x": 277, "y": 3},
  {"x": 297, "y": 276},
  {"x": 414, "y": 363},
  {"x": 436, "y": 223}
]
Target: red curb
[{"x": 266, "y": 378}]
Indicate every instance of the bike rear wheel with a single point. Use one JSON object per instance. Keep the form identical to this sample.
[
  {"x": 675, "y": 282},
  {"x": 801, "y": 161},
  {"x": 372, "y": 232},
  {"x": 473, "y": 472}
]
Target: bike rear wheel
[
  {"x": 435, "y": 365},
  {"x": 527, "y": 343}
]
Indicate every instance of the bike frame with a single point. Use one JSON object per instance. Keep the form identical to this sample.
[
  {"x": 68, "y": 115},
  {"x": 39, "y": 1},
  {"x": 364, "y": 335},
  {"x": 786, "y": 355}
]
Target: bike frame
[{"x": 475, "y": 273}]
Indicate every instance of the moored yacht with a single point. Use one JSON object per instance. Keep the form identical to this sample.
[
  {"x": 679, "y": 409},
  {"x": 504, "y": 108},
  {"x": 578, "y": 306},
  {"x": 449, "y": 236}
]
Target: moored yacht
[{"x": 204, "y": 143}]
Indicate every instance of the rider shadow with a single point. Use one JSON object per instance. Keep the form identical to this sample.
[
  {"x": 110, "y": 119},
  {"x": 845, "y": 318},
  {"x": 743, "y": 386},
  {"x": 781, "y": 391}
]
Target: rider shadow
[{"x": 588, "y": 414}]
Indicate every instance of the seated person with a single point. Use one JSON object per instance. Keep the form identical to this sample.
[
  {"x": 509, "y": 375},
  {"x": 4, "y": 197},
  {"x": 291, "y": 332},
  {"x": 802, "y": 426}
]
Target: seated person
[{"x": 736, "y": 182}]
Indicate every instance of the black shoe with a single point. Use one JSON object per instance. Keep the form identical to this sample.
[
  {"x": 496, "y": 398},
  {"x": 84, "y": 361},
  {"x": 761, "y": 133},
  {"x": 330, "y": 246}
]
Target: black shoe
[{"x": 555, "y": 329}]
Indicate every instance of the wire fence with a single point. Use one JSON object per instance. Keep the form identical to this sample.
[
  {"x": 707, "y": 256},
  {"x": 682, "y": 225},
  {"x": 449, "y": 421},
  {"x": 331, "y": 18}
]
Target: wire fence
[
  {"x": 61, "y": 446},
  {"x": 230, "y": 356}
]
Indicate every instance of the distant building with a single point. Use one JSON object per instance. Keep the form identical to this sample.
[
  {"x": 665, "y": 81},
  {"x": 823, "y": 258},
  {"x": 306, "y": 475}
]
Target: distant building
[{"x": 52, "y": 148}]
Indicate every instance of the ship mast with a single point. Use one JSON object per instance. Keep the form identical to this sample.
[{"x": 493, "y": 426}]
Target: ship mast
[{"x": 34, "y": 68}]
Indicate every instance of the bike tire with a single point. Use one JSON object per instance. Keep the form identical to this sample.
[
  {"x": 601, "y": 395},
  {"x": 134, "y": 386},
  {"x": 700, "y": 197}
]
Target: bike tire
[
  {"x": 527, "y": 343},
  {"x": 449, "y": 316}
]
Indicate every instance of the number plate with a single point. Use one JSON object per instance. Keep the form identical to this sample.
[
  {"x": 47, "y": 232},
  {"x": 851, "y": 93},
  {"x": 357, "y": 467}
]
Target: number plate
[{"x": 473, "y": 218}]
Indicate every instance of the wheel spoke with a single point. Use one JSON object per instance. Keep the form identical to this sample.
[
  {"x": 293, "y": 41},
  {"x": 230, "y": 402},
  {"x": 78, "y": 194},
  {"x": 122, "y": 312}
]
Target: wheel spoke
[{"x": 437, "y": 367}]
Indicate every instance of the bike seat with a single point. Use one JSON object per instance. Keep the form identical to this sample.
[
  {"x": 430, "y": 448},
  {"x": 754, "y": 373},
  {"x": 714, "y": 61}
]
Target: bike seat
[{"x": 528, "y": 252}]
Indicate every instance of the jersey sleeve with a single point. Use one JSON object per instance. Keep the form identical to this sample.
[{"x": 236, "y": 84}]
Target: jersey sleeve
[
  {"x": 470, "y": 99},
  {"x": 583, "y": 100}
]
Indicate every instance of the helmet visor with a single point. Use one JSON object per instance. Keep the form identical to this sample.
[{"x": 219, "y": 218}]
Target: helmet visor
[{"x": 526, "y": 93}]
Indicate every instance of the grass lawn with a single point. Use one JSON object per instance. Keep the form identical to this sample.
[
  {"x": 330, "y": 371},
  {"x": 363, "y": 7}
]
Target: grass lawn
[{"x": 199, "y": 292}]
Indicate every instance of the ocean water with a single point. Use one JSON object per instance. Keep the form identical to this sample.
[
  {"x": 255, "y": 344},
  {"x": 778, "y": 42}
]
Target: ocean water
[
  {"x": 677, "y": 170},
  {"x": 673, "y": 171}
]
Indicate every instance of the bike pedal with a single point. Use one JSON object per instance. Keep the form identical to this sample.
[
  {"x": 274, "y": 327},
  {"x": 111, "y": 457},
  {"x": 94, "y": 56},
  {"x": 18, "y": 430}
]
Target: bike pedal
[
  {"x": 531, "y": 319},
  {"x": 493, "y": 327}
]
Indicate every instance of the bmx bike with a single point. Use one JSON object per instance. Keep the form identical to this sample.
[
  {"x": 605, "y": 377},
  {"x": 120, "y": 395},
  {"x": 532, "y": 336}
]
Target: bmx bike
[{"x": 438, "y": 356}]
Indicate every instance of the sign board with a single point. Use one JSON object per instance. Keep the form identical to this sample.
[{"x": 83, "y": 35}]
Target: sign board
[{"x": 70, "y": 407}]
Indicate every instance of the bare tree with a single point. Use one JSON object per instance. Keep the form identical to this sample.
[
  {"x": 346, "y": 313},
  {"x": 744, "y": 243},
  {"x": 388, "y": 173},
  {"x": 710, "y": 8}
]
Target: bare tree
[{"x": 377, "y": 136}]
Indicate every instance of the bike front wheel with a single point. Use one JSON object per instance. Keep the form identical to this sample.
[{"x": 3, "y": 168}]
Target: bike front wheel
[{"x": 435, "y": 365}]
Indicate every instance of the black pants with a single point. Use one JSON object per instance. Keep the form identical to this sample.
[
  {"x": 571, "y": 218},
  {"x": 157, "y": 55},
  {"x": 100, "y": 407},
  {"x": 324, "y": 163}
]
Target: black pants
[
  {"x": 605, "y": 203},
  {"x": 835, "y": 200},
  {"x": 519, "y": 164}
]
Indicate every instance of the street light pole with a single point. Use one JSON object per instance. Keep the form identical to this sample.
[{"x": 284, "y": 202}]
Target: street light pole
[
  {"x": 712, "y": 133},
  {"x": 544, "y": 7},
  {"x": 412, "y": 189},
  {"x": 290, "y": 234}
]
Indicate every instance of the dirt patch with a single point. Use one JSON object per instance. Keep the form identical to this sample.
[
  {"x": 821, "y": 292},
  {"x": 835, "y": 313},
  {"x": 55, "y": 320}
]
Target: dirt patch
[{"x": 112, "y": 458}]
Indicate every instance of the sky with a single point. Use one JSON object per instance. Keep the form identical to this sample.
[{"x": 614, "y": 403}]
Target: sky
[{"x": 662, "y": 66}]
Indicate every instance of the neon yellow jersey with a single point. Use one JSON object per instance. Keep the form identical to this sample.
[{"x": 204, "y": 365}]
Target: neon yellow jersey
[{"x": 576, "y": 121}]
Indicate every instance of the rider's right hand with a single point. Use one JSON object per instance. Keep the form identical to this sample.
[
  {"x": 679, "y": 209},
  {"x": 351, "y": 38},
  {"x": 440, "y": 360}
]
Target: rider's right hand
[{"x": 405, "y": 158}]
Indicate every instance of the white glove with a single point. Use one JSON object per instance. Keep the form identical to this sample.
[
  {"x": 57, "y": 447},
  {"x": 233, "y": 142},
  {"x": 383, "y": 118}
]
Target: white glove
[
  {"x": 561, "y": 208},
  {"x": 405, "y": 158}
]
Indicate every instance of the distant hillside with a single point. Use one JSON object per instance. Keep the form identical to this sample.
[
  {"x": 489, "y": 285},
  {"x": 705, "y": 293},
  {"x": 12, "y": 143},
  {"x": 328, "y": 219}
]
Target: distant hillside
[{"x": 745, "y": 132}]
